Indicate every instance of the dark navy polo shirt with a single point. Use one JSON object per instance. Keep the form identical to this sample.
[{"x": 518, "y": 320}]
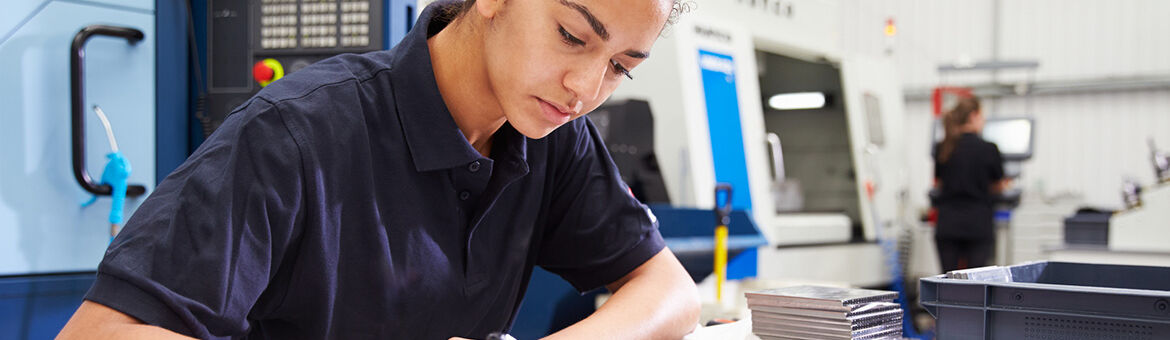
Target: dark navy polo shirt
[{"x": 343, "y": 202}]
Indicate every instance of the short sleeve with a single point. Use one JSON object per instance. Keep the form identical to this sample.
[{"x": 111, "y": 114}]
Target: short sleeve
[
  {"x": 197, "y": 254},
  {"x": 598, "y": 232}
]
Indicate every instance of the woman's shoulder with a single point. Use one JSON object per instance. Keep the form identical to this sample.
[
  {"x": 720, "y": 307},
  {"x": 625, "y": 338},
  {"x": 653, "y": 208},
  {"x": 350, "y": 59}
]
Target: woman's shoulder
[
  {"x": 975, "y": 140},
  {"x": 987, "y": 144},
  {"x": 326, "y": 75}
]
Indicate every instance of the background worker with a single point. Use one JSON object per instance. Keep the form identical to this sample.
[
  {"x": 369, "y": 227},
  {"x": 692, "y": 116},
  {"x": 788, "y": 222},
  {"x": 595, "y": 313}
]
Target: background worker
[{"x": 968, "y": 172}]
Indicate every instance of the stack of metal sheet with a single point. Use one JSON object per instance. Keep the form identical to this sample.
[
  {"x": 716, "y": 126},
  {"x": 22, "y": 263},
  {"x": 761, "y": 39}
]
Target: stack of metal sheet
[
  {"x": 815, "y": 312},
  {"x": 989, "y": 274}
]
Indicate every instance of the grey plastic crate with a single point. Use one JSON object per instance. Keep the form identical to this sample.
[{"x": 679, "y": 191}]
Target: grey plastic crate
[{"x": 1053, "y": 300}]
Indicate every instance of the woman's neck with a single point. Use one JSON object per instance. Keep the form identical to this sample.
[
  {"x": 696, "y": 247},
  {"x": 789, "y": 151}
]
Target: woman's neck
[{"x": 457, "y": 58}]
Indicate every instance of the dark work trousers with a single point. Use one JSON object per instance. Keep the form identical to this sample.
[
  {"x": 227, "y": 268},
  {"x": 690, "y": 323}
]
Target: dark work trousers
[{"x": 954, "y": 254}]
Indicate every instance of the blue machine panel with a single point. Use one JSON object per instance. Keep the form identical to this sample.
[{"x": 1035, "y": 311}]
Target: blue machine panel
[
  {"x": 726, "y": 129},
  {"x": 718, "y": 72},
  {"x": 16, "y": 12},
  {"x": 43, "y": 227},
  {"x": 37, "y": 306},
  {"x": 400, "y": 17},
  {"x": 145, "y": 5}
]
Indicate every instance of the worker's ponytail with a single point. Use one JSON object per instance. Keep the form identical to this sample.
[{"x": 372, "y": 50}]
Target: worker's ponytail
[{"x": 953, "y": 121}]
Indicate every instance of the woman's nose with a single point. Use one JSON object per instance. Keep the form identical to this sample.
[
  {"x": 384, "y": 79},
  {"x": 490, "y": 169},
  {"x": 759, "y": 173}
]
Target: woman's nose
[{"x": 585, "y": 81}]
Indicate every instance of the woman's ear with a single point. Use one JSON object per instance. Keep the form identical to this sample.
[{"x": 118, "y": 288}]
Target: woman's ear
[{"x": 488, "y": 9}]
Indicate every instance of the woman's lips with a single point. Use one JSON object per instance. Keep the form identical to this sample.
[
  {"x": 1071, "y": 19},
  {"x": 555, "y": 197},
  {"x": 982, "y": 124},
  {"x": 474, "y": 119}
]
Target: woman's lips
[{"x": 554, "y": 113}]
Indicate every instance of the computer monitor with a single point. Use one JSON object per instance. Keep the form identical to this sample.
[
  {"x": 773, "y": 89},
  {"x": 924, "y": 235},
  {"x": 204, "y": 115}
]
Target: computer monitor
[{"x": 1013, "y": 136}]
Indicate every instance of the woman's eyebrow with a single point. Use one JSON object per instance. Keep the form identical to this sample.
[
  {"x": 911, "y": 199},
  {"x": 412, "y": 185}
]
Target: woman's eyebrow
[
  {"x": 598, "y": 27},
  {"x": 637, "y": 54}
]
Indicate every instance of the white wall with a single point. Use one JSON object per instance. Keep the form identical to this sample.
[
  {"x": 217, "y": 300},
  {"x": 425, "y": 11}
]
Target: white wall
[
  {"x": 1082, "y": 38},
  {"x": 1085, "y": 143},
  {"x": 1073, "y": 39},
  {"x": 928, "y": 32}
]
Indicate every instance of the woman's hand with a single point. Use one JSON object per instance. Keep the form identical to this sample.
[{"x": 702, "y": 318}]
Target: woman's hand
[{"x": 1001, "y": 185}]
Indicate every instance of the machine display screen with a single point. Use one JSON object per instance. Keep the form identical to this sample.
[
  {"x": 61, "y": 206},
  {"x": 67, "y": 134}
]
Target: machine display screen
[{"x": 1012, "y": 136}]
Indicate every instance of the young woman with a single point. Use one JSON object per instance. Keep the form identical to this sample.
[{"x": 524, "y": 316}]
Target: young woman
[
  {"x": 968, "y": 172},
  {"x": 408, "y": 194}
]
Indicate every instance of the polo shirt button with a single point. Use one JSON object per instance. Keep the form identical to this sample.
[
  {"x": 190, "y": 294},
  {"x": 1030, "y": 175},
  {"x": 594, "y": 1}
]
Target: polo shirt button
[
  {"x": 463, "y": 196},
  {"x": 473, "y": 167}
]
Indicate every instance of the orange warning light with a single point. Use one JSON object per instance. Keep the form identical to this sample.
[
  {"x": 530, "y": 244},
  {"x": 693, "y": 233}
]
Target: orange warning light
[{"x": 891, "y": 29}]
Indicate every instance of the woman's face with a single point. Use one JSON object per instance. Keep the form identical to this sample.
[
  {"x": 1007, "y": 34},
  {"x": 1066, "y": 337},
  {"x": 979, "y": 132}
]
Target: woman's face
[{"x": 550, "y": 61}]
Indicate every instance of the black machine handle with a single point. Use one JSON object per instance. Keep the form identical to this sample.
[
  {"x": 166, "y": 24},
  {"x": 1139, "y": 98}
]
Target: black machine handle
[
  {"x": 723, "y": 212},
  {"x": 76, "y": 87}
]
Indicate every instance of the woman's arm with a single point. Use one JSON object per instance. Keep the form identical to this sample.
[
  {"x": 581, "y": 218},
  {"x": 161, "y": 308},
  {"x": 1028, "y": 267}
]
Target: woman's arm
[
  {"x": 96, "y": 321},
  {"x": 657, "y": 300}
]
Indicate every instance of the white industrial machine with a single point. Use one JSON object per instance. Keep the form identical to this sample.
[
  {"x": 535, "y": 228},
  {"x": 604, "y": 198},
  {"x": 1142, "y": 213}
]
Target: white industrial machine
[
  {"x": 1137, "y": 235},
  {"x": 1145, "y": 228},
  {"x": 1145, "y": 225},
  {"x": 823, "y": 182}
]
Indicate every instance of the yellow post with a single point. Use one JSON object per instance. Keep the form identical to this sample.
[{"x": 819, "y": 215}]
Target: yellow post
[
  {"x": 720, "y": 260},
  {"x": 722, "y": 219}
]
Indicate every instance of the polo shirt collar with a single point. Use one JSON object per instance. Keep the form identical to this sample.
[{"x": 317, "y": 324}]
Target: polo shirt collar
[
  {"x": 514, "y": 150},
  {"x": 434, "y": 140}
]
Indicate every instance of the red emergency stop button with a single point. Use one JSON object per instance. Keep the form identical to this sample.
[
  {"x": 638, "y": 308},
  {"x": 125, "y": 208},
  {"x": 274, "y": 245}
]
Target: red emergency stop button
[
  {"x": 267, "y": 71},
  {"x": 262, "y": 72}
]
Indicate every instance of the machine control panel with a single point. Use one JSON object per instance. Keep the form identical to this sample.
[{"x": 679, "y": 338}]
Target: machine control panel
[
  {"x": 250, "y": 44},
  {"x": 289, "y": 24}
]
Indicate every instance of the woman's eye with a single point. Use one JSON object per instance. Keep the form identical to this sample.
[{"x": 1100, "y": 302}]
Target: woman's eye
[
  {"x": 569, "y": 38},
  {"x": 620, "y": 70}
]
